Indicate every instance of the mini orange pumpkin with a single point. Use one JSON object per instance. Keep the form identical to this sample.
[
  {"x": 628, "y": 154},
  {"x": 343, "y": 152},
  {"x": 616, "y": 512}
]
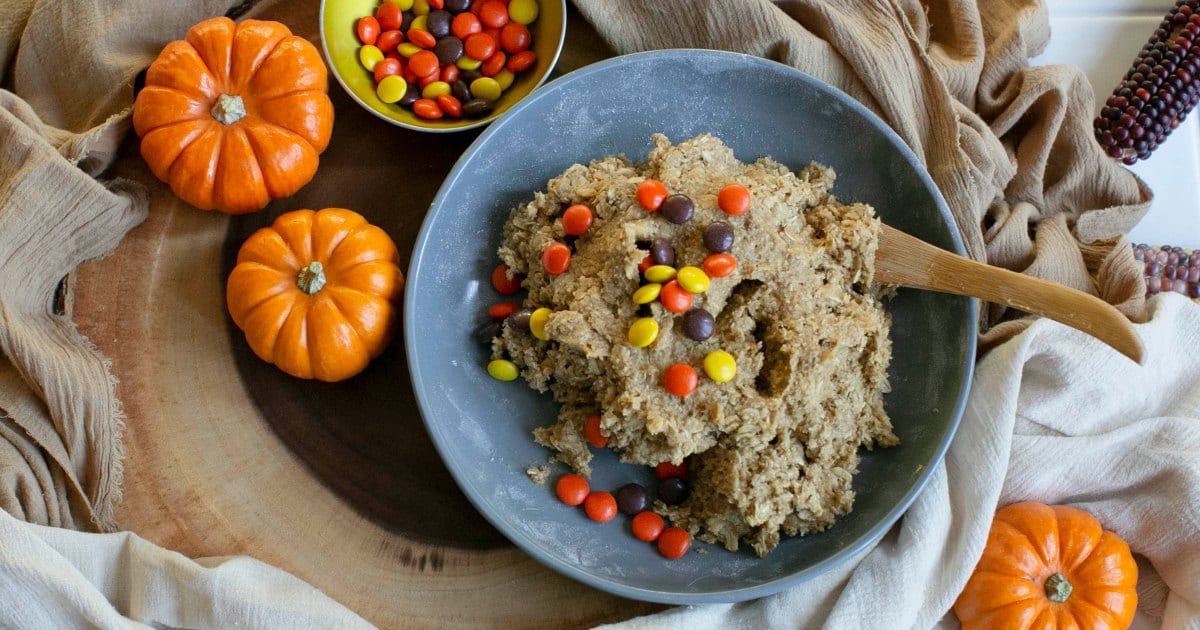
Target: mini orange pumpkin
[
  {"x": 235, "y": 115},
  {"x": 315, "y": 293},
  {"x": 1050, "y": 567}
]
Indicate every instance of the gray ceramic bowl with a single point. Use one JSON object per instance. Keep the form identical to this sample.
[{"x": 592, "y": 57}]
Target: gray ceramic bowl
[{"x": 482, "y": 426}]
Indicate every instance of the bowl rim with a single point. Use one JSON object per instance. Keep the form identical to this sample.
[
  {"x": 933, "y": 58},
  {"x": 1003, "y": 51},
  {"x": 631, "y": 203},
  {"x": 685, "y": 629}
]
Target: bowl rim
[
  {"x": 532, "y": 546},
  {"x": 562, "y": 36}
]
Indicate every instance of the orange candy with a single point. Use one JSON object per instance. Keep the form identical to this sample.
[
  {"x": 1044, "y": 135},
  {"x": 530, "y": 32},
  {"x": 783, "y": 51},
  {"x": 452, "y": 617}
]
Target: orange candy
[
  {"x": 450, "y": 74},
  {"x": 591, "y": 431},
  {"x": 646, "y": 263},
  {"x": 465, "y": 25},
  {"x": 651, "y": 194},
  {"x": 502, "y": 283},
  {"x": 667, "y": 470},
  {"x": 424, "y": 39},
  {"x": 522, "y": 61},
  {"x": 452, "y": 106},
  {"x": 388, "y": 40},
  {"x": 675, "y": 298},
  {"x": 556, "y": 258},
  {"x": 577, "y": 219},
  {"x": 680, "y": 379},
  {"x": 571, "y": 489},
  {"x": 493, "y": 65},
  {"x": 423, "y": 63},
  {"x": 480, "y": 46},
  {"x": 387, "y": 68},
  {"x": 647, "y": 526},
  {"x": 674, "y": 542},
  {"x": 436, "y": 4},
  {"x": 734, "y": 199},
  {"x": 367, "y": 29},
  {"x": 427, "y": 109},
  {"x": 500, "y": 310},
  {"x": 493, "y": 13},
  {"x": 389, "y": 16},
  {"x": 514, "y": 38},
  {"x": 719, "y": 265},
  {"x": 600, "y": 506}
]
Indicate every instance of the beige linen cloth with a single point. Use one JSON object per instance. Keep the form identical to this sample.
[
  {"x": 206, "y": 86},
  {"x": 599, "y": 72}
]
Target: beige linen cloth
[{"x": 1008, "y": 145}]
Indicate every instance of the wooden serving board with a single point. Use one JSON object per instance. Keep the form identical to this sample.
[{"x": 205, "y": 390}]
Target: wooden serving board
[{"x": 336, "y": 483}]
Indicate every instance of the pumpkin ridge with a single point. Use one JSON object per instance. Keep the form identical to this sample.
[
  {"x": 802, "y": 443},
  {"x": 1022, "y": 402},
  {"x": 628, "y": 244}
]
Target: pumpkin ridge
[
  {"x": 258, "y": 62},
  {"x": 333, "y": 249},
  {"x": 1079, "y": 600},
  {"x": 1035, "y": 602},
  {"x": 285, "y": 288},
  {"x": 299, "y": 308},
  {"x": 274, "y": 330},
  {"x": 257, "y": 149},
  {"x": 216, "y": 173},
  {"x": 1022, "y": 528},
  {"x": 202, "y": 128},
  {"x": 175, "y": 165}
]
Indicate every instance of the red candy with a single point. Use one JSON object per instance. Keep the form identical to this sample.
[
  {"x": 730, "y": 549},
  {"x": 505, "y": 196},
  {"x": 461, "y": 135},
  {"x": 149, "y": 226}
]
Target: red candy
[
  {"x": 571, "y": 489},
  {"x": 522, "y": 60},
  {"x": 436, "y": 4},
  {"x": 514, "y": 38},
  {"x": 556, "y": 258},
  {"x": 502, "y": 283},
  {"x": 450, "y": 74},
  {"x": 646, "y": 263},
  {"x": 367, "y": 29},
  {"x": 734, "y": 199},
  {"x": 389, "y": 16}
]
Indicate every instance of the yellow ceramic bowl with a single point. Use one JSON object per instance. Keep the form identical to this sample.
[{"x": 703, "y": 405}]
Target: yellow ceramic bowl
[{"x": 341, "y": 45}]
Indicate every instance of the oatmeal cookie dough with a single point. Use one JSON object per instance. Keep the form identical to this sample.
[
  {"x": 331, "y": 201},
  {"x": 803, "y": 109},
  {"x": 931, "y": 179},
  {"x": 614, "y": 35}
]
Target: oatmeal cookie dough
[{"x": 771, "y": 451}]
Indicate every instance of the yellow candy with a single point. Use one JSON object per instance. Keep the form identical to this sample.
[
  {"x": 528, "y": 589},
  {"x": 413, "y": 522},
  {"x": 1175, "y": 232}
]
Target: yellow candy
[
  {"x": 420, "y": 22},
  {"x": 486, "y": 88},
  {"x": 720, "y": 366},
  {"x": 467, "y": 63},
  {"x": 643, "y": 332},
  {"x": 692, "y": 279},
  {"x": 421, "y": 8},
  {"x": 403, "y": 4},
  {"x": 391, "y": 89},
  {"x": 502, "y": 370},
  {"x": 369, "y": 56},
  {"x": 505, "y": 79},
  {"x": 408, "y": 49},
  {"x": 435, "y": 89},
  {"x": 647, "y": 293},
  {"x": 657, "y": 273},
  {"x": 537, "y": 322},
  {"x": 523, "y": 11}
]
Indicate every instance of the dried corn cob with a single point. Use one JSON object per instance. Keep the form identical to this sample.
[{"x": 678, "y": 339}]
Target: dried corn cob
[
  {"x": 1158, "y": 91},
  {"x": 1170, "y": 269}
]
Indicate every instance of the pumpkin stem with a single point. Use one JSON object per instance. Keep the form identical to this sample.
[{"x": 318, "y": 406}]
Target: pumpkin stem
[
  {"x": 311, "y": 278},
  {"x": 1058, "y": 589},
  {"x": 228, "y": 109}
]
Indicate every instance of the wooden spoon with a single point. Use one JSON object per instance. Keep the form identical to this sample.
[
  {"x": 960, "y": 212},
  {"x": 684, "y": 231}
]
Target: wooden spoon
[{"x": 909, "y": 261}]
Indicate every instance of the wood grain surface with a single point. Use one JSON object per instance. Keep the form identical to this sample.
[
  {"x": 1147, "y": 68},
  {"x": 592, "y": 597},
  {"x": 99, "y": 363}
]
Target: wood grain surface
[{"x": 338, "y": 483}]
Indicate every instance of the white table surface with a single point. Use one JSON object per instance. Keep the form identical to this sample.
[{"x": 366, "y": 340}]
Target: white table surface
[{"x": 1102, "y": 37}]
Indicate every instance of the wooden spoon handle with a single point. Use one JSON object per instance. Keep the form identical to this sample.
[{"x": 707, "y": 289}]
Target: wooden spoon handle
[{"x": 907, "y": 260}]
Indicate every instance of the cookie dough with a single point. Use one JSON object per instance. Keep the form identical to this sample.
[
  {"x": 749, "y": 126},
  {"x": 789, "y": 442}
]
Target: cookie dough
[{"x": 774, "y": 450}]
